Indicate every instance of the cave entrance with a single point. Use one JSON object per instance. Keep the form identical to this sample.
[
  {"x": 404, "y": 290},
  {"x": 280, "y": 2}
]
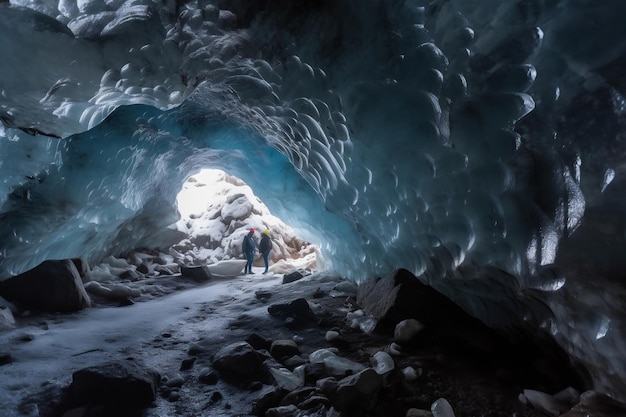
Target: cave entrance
[{"x": 217, "y": 210}]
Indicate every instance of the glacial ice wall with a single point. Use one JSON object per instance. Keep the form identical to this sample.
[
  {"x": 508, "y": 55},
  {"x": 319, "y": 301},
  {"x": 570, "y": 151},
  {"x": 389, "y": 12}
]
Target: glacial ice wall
[{"x": 477, "y": 143}]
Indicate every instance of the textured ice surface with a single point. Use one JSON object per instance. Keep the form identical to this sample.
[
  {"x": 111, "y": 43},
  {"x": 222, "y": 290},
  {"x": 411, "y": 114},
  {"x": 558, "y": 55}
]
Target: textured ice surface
[{"x": 478, "y": 144}]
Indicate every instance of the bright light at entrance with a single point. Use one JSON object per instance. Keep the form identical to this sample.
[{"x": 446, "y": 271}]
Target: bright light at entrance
[{"x": 193, "y": 199}]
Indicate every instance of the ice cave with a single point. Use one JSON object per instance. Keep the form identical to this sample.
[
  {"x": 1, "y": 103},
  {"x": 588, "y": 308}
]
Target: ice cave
[{"x": 475, "y": 143}]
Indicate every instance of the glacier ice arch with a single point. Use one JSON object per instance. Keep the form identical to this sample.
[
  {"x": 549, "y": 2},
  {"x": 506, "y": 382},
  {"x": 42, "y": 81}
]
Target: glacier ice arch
[{"x": 478, "y": 144}]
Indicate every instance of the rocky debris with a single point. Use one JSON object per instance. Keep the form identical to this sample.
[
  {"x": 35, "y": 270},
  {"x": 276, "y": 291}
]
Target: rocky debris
[
  {"x": 407, "y": 330},
  {"x": 124, "y": 388},
  {"x": 297, "y": 313},
  {"x": 281, "y": 349},
  {"x": 7, "y": 321},
  {"x": 401, "y": 295},
  {"x": 292, "y": 277},
  {"x": 277, "y": 371},
  {"x": 240, "y": 365},
  {"x": 196, "y": 273},
  {"x": 53, "y": 286}
]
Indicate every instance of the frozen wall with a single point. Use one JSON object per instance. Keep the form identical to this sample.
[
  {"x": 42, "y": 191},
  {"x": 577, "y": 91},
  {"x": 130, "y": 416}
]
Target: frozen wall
[{"x": 477, "y": 143}]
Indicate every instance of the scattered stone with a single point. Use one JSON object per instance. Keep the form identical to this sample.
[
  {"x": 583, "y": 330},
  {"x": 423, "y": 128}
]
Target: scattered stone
[
  {"x": 292, "y": 277},
  {"x": 359, "y": 391},
  {"x": 145, "y": 268},
  {"x": 207, "y": 376},
  {"x": 410, "y": 374},
  {"x": 270, "y": 397},
  {"x": 175, "y": 382},
  {"x": 215, "y": 397},
  {"x": 382, "y": 363},
  {"x": 53, "y": 285},
  {"x": 195, "y": 349},
  {"x": 82, "y": 266},
  {"x": 542, "y": 401},
  {"x": 239, "y": 364},
  {"x": 595, "y": 404},
  {"x": 401, "y": 295},
  {"x": 197, "y": 273},
  {"x": 259, "y": 342},
  {"x": 406, "y": 330},
  {"x": 442, "y": 408},
  {"x": 294, "y": 361},
  {"x": 297, "y": 396},
  {"x": 187, "y": 364},
  {"x": 296, "y": 313},
  {"x": 281, "y": 349},
  {"x": 7, "y": 321},
  {"x": 130, "y": 275},
  {"x": 331, "y": 335},
  {"x": 263, "y": 295},
  {"x": 114, "y": 385}
]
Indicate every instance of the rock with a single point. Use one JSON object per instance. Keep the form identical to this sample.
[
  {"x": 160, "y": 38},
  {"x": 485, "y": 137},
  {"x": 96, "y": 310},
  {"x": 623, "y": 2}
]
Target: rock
[
  {"x": 53, "y": 286},
  {"x": 594, "y": 404},
  {"x": 145, "y": 268},
  {"x": 297, "y": 396},
  {"x": 331, "y": 335},
  {"x": 239, "y": 364},
  {"x": 545, "y": 402},
  {"x": 263, "y": 295},
  {"x": 196, "y": 273},
  {"x": 442, "y": 408},
  {"x": 299, "y": 311},
  {"x": 382, "y": 363},
  {"x": 259, "y": 342},
  {"x": 269, "y": 398},
  {"x": 175, "y": 382},
  {"x": 401, "y": 296},
  {"x": 187, "y": 364},
  {"x": 410, "y": 374},
  {"x": 406, "y": 330},
  {"x": 81, "y": 266},
  {"x": 206, "y": 376},
  {"x": 116, "y": 385},
  {"x": 130, "y": 275},
  {"x": 359, "y": 391},
  {"x": 292, "y": 277},
  {"x": 335, "y": 365},
  {"x": 7, "y": 321},
  {"x": 288, "y": 380},
  {"x": 281, "y": 349}
]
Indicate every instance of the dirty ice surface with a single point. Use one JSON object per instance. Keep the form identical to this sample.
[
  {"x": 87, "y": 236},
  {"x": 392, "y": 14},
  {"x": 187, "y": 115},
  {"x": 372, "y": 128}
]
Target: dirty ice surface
[{"x": 62, "y": 344}]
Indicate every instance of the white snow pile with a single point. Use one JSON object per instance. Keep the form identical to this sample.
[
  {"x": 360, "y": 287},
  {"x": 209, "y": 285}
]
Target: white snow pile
[{"x": 217, "y": 211}]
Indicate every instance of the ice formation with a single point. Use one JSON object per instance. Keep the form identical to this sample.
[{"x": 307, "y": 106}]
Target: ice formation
[{"x": 477, "y": 143}]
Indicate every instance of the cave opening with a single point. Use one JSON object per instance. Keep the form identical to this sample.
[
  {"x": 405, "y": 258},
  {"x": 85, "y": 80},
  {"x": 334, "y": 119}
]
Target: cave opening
[{"x": 218, "y": 209}]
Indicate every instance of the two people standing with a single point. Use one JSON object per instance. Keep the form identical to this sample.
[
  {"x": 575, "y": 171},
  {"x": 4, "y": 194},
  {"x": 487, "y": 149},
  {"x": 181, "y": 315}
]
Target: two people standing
[{"x": 249, "y": 246}]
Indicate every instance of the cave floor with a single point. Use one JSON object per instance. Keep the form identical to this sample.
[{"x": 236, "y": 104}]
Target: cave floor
[{"x": 48, "y": 348}]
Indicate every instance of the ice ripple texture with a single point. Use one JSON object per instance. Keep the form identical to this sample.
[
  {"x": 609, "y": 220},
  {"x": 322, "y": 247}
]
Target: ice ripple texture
[{"x": 467, "y": 141}]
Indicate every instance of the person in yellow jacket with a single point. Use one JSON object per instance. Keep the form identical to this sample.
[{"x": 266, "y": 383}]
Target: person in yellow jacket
[{"x": 265, "y": 246}]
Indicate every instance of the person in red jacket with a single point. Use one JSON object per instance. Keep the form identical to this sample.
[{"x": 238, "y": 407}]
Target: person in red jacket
[{"x": 248, "y": 247}]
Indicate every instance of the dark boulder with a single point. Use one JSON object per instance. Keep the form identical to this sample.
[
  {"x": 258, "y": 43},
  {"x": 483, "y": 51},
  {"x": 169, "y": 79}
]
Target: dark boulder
[
  {"x": 196, "y": 273},
  {"x": 292, "y": 277},
  {"x": 53, "y": 285},
  {"x": 401, "y": 295},
  {"x": 239, "y": 364},
  {"x": 295, "y": 313},
  {"x": 116, "y": 387}
]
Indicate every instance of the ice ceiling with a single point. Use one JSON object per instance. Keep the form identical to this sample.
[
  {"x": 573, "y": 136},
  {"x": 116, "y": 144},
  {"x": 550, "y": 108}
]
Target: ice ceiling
[{"x": 477, "y": 143}]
